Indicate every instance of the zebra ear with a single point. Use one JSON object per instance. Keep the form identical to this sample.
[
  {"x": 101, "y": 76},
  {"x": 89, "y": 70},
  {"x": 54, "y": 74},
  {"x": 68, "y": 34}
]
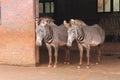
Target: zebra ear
[
  {"x": 52, "y": 20},
  {"x": 41, "y": 18},
  {"x": 37, "y": 21},
  {"x": 72, "y": 21},
  {"x": 66, "y": 24},
  {"x": 49, "y": 20}
]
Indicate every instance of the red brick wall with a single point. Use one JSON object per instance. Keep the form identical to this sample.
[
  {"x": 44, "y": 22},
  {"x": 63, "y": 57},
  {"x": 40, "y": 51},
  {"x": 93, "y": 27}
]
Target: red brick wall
[{"x": 17, "y": 36}]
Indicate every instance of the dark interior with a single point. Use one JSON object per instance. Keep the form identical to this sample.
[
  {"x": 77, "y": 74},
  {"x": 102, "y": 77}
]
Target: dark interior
[{"x": 86, "y": 10}]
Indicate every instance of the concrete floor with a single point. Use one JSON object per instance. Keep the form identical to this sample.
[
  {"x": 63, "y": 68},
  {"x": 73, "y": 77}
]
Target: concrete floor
[{"x": 109, "y": 69}]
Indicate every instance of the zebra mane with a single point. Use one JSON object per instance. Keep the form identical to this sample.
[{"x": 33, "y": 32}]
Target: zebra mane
[
  {"x": 77, "y": 22},
  {"x": 80, "y": 22},
  {"x": 49, "y": 19}
]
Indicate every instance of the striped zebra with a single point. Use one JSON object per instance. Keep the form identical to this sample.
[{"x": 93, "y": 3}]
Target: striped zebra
[
  {"x": 53, "y": 36},
  {"x": 85, "y": 36}
]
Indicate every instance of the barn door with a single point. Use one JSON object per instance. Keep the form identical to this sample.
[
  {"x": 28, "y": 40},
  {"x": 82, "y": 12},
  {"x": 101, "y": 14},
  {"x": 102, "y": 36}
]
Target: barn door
[{"x": 36, "y": 11}]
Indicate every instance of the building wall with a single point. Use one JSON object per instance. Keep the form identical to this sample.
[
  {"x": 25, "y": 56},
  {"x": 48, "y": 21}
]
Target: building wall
[{"x": 17, "y": 35}]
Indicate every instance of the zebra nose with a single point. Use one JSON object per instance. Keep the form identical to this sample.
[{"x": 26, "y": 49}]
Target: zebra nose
[
  {"x": 38, "y": 43},
  {"x": 69, "y": 43}
]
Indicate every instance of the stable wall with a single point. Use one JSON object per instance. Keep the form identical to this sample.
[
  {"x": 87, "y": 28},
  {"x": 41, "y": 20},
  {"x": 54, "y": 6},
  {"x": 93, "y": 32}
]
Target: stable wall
[{"x": 17, "y": 34}]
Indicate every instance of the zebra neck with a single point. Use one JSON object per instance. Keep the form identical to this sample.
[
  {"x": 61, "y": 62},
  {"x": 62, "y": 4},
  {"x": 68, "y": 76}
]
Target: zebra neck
[
  {"x": 49, "y": 35},
  {"x": 81, "y": 36}
]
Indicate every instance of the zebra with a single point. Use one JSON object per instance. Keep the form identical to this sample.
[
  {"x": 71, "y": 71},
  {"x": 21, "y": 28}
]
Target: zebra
[
  {"x": 86, "y": 36},
  {"x": 53, "y": 36}
]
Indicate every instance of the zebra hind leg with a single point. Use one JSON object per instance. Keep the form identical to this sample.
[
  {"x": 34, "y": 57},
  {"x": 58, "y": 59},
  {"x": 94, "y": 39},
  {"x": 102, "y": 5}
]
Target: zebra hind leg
[
  {"x": 88, "y": 57},
  {"x": 99, "y": 54},
  {"x": 67, "y": 56}
]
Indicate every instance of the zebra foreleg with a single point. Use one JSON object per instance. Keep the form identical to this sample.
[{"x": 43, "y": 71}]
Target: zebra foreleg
[
  {"x": 50, "y": 55},
  {"x": 81, "y": 55},
  {"x": 56, "y": 56}
]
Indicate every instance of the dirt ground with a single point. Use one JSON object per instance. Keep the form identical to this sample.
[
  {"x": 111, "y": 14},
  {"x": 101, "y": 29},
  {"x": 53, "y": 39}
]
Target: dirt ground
[{"x": 109, "y": 69}]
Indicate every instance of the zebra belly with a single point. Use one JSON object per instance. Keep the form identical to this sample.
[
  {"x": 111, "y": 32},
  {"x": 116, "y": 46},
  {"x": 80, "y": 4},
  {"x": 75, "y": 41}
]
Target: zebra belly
[
  {"x": 94, "y": 43},
  {"x": 61, "y": 43}
]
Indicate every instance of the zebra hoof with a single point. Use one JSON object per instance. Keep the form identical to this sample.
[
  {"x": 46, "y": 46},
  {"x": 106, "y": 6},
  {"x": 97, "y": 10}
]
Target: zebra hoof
[
  {"x": 87, "y": 67},
  {"x": 68, "y": 63},
  {"x": 79, "y": 67},
  {"x": 65, "y": 62},
  {"x": 54, "y": 66},
  {"x": 97, "y": 63},
  {"x": 49, "y": 66}
]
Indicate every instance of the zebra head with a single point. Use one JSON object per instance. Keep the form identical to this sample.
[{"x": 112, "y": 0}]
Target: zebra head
[
  {"x": 40, "y": 30},
  {"x": 71, "y": 31}
]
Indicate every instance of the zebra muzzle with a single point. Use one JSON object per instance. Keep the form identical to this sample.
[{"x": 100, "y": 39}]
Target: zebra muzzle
[
  {"x": 69, "y": 43},
  {"x": 38, "y": 43}
]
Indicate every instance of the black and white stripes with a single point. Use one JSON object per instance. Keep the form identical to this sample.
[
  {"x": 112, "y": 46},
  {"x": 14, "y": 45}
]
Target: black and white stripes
[
  {"x": 80, "y": 36},
  {"x": 49, "y": 35}
]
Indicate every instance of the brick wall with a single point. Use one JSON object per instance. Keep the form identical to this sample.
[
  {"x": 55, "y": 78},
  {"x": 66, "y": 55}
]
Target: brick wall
[{"x": 17, "y": 36}]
